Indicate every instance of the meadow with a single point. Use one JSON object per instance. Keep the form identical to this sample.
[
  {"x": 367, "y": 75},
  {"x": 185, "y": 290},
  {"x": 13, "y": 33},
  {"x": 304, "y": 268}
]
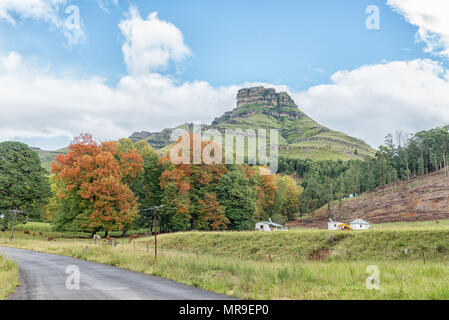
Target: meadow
[{"x": 412, "y": 259}]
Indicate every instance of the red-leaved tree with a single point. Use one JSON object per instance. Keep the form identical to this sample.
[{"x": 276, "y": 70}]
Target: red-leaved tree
[{"x": 96, "y": 179}]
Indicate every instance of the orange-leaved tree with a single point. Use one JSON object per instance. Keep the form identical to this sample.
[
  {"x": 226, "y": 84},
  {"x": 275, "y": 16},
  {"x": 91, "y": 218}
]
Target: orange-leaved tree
[
  {"x": 189, "y": 189},
  {"x": 95, "y": 188}
]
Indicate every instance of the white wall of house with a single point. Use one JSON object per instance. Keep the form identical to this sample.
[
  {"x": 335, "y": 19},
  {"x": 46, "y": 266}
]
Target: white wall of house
[
  {"x": 265, "y": 226},
  {"x": 333, "y": 225},
  {"x": 262, "y": 226},
  {"x": 357, "y": 226}
]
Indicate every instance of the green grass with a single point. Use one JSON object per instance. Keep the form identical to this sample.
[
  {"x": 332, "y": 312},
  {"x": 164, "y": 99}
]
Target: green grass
[
  {"x": 9, "y": 277},
  {"x": 298, "y": 264},
  {"x": 413, "y": 226},
  {"x": 306, "y": 245}
]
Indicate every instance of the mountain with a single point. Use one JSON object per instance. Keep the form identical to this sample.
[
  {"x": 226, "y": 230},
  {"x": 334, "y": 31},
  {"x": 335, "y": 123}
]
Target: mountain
[
  {"x": 263, "y": 108},
  {"x": 47, "y": 157}
]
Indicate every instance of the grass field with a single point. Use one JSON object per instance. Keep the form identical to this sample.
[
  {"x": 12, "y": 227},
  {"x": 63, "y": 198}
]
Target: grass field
[
  {"x": 298, "y": 264},
  {"x": 46, "y": 229},
  {"x": 9, "y": 277}
]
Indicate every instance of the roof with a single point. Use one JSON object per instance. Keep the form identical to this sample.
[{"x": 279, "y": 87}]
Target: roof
[
  {"x": 271, "y": 223},
  {"x": 359, "y": 221}
]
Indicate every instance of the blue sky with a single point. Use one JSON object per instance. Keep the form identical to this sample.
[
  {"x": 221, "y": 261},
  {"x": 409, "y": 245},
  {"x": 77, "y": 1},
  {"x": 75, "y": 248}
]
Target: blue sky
[
  {"x": 296, "y": 43},
  {"x": 303, "y": 46}
]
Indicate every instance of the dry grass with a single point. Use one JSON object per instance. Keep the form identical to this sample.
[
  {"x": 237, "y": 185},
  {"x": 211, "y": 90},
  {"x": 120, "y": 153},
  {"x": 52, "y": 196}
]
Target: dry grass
[
  {"x": 223, "y": 262},
  {"x": 9, "y": 277}
]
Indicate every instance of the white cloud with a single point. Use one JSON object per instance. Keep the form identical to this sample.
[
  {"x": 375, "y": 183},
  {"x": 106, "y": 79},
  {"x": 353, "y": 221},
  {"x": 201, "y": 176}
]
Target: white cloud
[
  {"x": 150, "y": 44},
  {"x": 104, "y": 4},
  {"x": 54, "y": 12},
  {"x": 10, "y": 62},
  {"x": 432, "y": 19},
  {"x": 367, "y": 103},
  {"x": 56, "y": 106},
  {"x": 375, "y": 100}
]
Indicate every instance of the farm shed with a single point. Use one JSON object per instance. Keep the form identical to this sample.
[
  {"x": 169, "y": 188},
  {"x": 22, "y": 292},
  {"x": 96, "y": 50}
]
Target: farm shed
[
  {"x": 360, "y": 224},
  {"x": 331, "y": 225},
  {"x": 270, "y": 226}
]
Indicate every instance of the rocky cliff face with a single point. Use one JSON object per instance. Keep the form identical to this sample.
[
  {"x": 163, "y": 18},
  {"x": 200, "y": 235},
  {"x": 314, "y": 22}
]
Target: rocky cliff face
[
  {"x": 265, "y": 101},
  {"x": 262, "y": 97}
]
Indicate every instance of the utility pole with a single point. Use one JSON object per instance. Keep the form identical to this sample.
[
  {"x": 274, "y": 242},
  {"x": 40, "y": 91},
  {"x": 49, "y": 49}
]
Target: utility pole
[
  {"x": 155, "y": 208},
  {"x": 155, "y": 231},
  {"x": 14, "y": 213}
]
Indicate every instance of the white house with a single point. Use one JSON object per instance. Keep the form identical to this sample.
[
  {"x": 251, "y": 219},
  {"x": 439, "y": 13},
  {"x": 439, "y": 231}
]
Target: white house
[
  {"x": 359, "y": 224},
  {"x": 270, "y": 226},
  {"x": 331, "y": 225}
]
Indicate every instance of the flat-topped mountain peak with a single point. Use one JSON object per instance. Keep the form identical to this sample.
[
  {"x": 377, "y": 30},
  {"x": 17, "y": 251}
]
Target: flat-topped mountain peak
[
  {"x": 263, "y": 108},
  {"x": 267, "y": 97}
]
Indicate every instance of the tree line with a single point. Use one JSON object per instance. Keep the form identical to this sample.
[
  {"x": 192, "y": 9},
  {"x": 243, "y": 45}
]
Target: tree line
[
  {"x": 107, "y": 187},
  {"x": 402, "y": 157}
]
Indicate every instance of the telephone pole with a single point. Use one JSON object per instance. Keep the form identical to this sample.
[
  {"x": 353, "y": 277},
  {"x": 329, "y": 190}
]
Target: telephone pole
[
  {"x": 155, "y": 208},
  {"x": 14, "y": 214}
]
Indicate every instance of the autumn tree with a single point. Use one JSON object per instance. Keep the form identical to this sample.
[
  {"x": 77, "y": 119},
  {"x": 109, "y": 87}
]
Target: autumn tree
[
  {"x": 188, "y": 189},
  {"x": 146, "y": 186},
  {"x": 95, "y": 191},
  {"x": 213, "y": 213}
]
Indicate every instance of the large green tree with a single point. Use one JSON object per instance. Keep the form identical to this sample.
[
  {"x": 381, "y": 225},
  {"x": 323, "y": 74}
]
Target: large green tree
[
  {"x": 24, "y": 183},
  {"x": 237, "y": 195}
]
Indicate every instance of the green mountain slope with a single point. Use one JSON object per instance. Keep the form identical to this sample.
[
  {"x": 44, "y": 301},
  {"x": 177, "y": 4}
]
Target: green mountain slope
[
  {"x": 300, "y": 136},
  {"x": 47, "y": 157}
]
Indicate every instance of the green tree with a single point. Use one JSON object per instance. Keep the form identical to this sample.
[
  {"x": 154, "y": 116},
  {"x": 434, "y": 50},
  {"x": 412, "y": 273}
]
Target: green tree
[
  {"x": 237, "y": 196},
  {"x": 23, "y": 182},
  {"x": 146, "y": 186}
]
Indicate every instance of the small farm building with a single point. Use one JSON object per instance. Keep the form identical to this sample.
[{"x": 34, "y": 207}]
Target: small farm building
[
  {"x": 359, "y": 224},
  {"x": 270, "y": 226}
]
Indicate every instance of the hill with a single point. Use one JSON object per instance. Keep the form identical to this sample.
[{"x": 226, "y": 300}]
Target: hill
[
  {"x": 47, "y": 157},
  {"x": 300, "y": 136},
  {"x": 422, "y": 198}
]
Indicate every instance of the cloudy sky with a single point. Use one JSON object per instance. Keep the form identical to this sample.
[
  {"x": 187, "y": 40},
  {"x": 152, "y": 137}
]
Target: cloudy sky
[{"x": 112, "y": 67}]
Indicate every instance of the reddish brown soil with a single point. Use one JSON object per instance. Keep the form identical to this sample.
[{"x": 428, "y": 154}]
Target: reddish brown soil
[{"x": 423, "y": 198}]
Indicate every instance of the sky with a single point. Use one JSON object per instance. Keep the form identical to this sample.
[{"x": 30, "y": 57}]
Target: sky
[{"x": 113, "y": 67}]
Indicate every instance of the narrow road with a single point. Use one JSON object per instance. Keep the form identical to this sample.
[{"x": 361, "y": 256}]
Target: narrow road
[{"x": 43, "y": 277}]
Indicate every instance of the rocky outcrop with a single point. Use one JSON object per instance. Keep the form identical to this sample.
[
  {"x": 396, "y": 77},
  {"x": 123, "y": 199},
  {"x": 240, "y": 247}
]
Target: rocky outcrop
[
  {"x": 262, "y": 97},
  {"x": 137, "y": 136}
]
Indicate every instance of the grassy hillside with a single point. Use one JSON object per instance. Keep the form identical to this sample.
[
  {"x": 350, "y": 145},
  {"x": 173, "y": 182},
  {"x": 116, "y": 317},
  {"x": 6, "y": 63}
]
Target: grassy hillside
[
  {"x": 303, "y": 137},
  {"x": 309, "y": 245},
  {"x": 47, "y": 157},
  {"x": 300, "y": 136}
]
